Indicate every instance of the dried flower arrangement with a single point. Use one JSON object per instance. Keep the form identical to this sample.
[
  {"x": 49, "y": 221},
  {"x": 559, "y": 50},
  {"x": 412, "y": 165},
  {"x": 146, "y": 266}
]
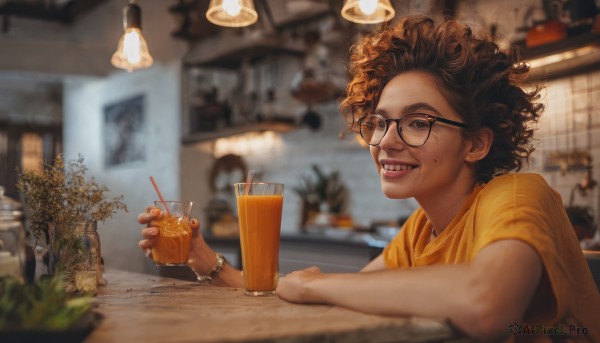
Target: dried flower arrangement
[
  {"x": 61, "y": 194},
  {"x": 60, "y": 197}
]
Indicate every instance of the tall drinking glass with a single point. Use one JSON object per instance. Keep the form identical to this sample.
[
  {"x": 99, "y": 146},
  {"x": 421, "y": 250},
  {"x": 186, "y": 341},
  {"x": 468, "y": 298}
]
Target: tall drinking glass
[
  {"x": 172, "y": 246},
  {"x": 259, "y": 213}
]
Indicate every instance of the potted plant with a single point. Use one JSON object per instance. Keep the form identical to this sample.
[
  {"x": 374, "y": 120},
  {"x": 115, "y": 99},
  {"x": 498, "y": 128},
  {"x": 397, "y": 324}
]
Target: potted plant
[
  {"x": 43, "y": 312},
  {"x": 64, "y": 208},
  {"x": 322, "y": 194}
]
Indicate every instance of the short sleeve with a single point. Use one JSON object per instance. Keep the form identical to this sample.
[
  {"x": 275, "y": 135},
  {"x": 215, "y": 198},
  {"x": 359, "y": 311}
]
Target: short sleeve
[{"x": 526, "y": 208}]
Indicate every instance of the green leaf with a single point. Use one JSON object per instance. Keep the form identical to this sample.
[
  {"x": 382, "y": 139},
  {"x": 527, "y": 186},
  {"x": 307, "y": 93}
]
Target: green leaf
[{"x": 43, "y": 305}]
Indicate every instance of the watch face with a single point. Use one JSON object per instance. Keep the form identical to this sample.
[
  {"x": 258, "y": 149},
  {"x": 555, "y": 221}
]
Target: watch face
[{"x": 220, "y": 261}]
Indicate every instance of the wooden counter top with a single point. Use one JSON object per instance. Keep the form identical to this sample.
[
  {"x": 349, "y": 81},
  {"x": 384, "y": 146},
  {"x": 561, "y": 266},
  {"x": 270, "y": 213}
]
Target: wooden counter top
[{"x": 147, "y": 308}]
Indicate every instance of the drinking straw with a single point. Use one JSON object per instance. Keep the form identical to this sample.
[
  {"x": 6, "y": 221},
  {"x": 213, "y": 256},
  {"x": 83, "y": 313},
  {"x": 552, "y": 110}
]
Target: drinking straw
[
  {"x": 160, "y": 195},
  {"x": 249, "y": 178}
]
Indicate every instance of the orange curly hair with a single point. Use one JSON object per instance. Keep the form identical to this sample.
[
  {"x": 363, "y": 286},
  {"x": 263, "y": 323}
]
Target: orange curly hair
[{"x": 483, "y": 83}]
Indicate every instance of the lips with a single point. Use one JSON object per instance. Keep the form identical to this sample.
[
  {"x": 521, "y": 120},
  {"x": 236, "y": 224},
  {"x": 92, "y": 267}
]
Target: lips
[{"x": 392, "y": 169}]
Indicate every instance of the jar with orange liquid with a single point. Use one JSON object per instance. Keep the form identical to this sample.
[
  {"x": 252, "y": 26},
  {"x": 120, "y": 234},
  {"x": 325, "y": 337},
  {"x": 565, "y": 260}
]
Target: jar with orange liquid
[{"x": 172, "y": 246}]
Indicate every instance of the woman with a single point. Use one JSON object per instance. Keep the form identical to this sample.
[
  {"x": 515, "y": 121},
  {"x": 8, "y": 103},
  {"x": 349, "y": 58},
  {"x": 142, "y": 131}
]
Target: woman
[{"x": 447, "y": 119}]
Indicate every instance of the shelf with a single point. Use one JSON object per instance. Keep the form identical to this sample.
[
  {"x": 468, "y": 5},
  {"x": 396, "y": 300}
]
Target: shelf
[
  {"x": 278, "y": 126},
  {"x": 563, "y": 58},
  {"x": 238, "y": 49},
  {"x": 232, "y": 59},
  {"x": 566, "y": 44}
]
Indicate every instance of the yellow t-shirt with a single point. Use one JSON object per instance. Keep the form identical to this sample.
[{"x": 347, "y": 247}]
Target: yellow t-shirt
[{"x": 513, "y": 206}]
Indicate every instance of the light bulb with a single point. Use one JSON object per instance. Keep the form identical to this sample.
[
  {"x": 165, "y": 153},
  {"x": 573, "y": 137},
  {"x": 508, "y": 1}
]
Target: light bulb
[
  {"x": 131, "y": 46},
  {"x": 232, "y": 7},
  {"x": 367, "y": 7},
  {"x": 132, "y": 51}
]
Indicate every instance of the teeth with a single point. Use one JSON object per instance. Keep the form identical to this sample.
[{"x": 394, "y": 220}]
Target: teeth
[{"x": 397, "y": 167}]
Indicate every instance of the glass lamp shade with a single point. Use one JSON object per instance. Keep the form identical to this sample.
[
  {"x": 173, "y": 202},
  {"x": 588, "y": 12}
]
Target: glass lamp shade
[
  {"x": 231, "y": 13},
  {"x": 132, "y": 51},
  {"x": 368, "y": 11}
]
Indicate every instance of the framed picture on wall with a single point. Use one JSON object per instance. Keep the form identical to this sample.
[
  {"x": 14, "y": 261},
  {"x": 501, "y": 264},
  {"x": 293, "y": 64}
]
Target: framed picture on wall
[{"x": 124, "y": 127}]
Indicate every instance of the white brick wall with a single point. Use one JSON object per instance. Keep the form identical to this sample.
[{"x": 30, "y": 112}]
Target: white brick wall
[{"x": 570, "y": 122}]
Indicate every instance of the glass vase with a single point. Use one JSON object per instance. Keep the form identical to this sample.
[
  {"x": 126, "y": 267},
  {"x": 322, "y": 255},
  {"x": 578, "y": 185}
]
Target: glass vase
[{"x": 75, "y": 255}]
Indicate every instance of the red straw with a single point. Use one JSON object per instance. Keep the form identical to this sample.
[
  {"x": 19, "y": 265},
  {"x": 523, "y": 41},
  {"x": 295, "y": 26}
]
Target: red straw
[{"x": 160, "y": 195}]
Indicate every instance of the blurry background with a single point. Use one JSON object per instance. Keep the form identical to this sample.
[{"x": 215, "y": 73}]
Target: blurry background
[{"x": 218, "y": 101}]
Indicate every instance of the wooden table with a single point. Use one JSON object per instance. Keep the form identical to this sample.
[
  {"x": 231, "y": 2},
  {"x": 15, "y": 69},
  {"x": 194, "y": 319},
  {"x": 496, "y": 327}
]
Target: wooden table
[{"x": 147, "y": 308}]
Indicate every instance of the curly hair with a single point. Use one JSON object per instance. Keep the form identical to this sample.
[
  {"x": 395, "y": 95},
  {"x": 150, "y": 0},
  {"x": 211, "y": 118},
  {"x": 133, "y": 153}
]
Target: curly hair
[{"x": 483, "y": 84}]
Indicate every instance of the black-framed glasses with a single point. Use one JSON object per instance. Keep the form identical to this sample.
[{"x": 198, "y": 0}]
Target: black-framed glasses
[{"x": 414, "y": 129}]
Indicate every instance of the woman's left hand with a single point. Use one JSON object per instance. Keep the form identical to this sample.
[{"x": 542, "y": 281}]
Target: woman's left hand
[{"x": 296, "y": 286}]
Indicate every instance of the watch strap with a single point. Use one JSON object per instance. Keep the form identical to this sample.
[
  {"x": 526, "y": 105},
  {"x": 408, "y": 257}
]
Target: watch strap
[{"x": 220, "y": 263}]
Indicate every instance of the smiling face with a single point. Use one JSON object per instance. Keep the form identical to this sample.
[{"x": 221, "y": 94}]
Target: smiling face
[{"x": 437, "y": 168}]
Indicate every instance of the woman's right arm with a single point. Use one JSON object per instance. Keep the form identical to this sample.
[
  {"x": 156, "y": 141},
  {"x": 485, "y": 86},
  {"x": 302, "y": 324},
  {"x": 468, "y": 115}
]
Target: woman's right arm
[{"x": 202, "y": 258}]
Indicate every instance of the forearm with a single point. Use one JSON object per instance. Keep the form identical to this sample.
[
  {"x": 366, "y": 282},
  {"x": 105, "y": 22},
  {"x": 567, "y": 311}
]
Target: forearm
[
  {"x": 229, "y": 277},
  {"x": 203, "y": 260},
  {"x": 432, "y": 292},
  {"x": 481, "y": 298}
]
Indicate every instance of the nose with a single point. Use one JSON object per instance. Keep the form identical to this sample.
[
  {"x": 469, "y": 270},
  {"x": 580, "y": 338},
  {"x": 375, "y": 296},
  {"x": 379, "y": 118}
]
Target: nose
[{"x": 391, "y": 139}]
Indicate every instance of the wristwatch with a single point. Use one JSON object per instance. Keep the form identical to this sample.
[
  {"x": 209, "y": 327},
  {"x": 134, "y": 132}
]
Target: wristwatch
[{"x": 207, "y": 279}]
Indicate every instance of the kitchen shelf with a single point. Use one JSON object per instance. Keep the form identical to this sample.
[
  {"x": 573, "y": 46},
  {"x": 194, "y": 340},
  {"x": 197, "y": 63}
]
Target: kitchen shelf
[
  {"x": 277, "y": 126},
  {"x": 232, "y": 55},
  {"x": 573, "y": 63},
  {"x": 566, "y": 44}
]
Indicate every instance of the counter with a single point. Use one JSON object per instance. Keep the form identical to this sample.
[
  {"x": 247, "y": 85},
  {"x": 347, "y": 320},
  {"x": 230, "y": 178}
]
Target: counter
[{"x": 146, "y": 308}]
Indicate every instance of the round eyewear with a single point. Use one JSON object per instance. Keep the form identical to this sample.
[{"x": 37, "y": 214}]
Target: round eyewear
[{"x": 414, "y": 129}]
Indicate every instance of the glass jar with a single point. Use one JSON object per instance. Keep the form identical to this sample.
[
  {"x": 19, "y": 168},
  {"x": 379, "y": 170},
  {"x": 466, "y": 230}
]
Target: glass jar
[
  {"x": 75, "y": 253},
  {"x": 12, "y": 237}
]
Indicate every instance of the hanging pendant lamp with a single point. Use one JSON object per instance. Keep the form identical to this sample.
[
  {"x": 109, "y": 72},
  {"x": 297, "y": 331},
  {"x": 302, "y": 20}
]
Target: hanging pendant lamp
[
  {"x": 231, "y": 13},
  {"x": 367, "y": 11},
  {"x": 132, "y": 50}
]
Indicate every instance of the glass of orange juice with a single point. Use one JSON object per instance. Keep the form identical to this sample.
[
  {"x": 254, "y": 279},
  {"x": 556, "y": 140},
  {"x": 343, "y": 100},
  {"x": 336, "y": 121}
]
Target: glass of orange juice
[
  {"x": 172, "y": 246},
  {"x": 259, "y": 213}
]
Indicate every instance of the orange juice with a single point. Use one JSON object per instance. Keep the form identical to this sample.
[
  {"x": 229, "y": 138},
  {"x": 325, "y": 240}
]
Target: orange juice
[
  {"x": 260, "y": 224},
  {"x": 172, "y": 246}
]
